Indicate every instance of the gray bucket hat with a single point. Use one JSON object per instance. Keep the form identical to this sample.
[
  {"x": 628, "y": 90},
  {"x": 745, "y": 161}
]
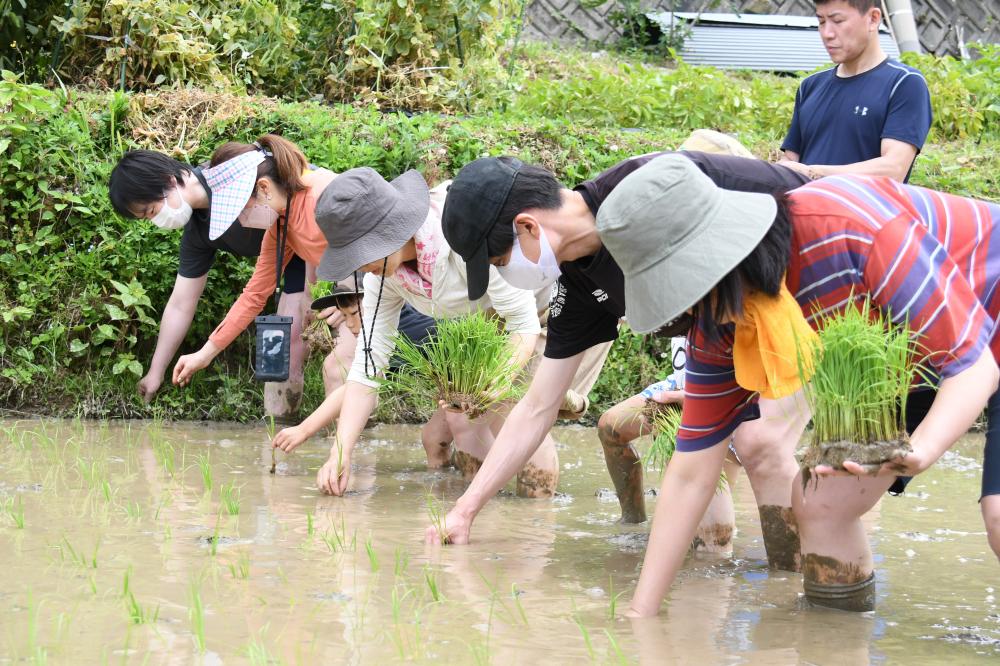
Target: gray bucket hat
[
  {"x": 675, "y": 235},
  {"x": 365, "y": 218}
]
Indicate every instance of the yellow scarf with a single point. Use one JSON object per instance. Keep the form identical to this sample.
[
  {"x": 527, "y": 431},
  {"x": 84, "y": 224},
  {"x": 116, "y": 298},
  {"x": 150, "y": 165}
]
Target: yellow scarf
[{"x": 765, "y": 349}]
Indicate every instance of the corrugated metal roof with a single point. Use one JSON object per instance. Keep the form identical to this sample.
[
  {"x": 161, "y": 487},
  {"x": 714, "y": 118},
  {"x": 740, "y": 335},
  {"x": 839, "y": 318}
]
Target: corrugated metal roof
[{"x": 756, "y": 41}]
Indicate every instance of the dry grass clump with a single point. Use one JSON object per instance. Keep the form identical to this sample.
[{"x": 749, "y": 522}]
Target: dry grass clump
[{"x": 171, "y": 121}]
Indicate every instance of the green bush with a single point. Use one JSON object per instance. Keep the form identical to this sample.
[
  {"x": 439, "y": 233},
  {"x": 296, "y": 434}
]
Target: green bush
[
  {"x": 597, "y": 89},
  {"x": 415, "y": 54}
]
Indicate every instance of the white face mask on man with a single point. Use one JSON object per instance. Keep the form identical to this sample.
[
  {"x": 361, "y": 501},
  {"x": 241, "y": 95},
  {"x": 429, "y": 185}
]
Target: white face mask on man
[
  {"x": 170, "y": 217},
  {"x": 523, "y": 273}
]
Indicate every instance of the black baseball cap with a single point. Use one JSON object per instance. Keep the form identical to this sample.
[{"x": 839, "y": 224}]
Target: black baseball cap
[{"x": 475, "y": 199}]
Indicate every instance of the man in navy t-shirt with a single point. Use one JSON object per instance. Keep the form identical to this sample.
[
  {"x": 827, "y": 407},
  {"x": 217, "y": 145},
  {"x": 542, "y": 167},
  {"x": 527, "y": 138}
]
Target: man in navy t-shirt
[{"x": 869, "y": 114}]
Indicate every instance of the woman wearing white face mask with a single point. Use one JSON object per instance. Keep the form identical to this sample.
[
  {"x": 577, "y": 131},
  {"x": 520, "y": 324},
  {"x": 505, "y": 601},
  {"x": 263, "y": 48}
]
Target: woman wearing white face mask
[{"x": 257, "y": 184}]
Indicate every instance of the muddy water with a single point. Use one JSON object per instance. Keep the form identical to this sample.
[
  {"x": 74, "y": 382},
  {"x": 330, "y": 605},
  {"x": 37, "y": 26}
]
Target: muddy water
[{"x": 299, "y": 578}]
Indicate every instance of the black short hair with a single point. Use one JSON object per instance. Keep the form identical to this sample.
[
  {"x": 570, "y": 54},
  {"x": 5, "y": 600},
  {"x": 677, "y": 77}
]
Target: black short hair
[
  {"x": 141, "y": 177},
  {"x": 863, "y": 6},
  {"x": 533, "y": 187},
  {"x": 763, "y": 270}
]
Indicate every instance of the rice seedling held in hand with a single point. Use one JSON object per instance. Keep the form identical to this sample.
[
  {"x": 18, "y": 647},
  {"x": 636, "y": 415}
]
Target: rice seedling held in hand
[
  {"x": 468, "y": 363},
  {"x": 666, "y": 422},
  {"x": 861, "y": 377}
]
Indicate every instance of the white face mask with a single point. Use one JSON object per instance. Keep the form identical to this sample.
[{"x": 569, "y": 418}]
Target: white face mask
[
  {"x": 170, "y": 217},
  {"x": 523, "y": 273}
]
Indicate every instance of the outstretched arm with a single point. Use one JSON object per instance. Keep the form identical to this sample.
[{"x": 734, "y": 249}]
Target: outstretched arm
[
  {"x": 688, "y": 485},
  {"x": 177, "y": 317},
  {"x": 521, "y": 435}
]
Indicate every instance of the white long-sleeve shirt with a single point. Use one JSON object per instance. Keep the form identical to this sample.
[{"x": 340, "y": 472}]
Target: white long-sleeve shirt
[{"x": 450, "y": 298}]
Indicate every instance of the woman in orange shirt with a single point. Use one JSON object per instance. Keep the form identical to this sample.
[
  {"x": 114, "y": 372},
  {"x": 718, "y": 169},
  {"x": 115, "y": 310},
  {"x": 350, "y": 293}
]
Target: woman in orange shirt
[{"x": 264, "y": 181}]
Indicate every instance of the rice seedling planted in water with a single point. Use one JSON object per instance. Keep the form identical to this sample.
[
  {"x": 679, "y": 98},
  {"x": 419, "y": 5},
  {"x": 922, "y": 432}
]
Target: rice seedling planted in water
[
  {"x": 467, "y": 363},
  {"x": 861, "y": 375},
  {"x": 229, "y": 493},
  {"x": 196, "y": 613},
  {"x": 137, "y": 614},
  {"x": 205, "y": 466},
  {"x": 14, "y": 508}
]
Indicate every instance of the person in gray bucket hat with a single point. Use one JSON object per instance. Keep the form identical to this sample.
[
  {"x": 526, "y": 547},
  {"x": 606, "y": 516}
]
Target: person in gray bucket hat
[
  {"x": 391, "y": 232},
  {"x": 749, "y": 266}
]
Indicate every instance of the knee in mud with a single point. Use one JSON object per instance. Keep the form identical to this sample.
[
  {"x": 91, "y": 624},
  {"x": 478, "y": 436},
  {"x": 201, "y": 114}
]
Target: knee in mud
[
  {"x": 831, "y": 583},
  {"x": 607, "y": 432},
  {"x": 781, "y": 537},
  {"x": 534, "y": 481}
]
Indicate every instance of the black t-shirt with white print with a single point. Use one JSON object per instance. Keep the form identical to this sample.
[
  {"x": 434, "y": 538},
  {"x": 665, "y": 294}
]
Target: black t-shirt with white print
[{"x": 589, "y": 298}]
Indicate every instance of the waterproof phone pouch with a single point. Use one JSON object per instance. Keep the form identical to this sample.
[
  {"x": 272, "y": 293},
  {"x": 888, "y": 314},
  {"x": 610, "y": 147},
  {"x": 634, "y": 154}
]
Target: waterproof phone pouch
[{"x": 274, "y": 342}]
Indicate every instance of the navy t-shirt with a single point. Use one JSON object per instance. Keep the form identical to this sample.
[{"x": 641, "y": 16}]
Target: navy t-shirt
[{"x": 842, "y": 120}]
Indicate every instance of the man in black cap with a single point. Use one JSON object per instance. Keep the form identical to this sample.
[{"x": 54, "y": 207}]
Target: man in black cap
[{"x": 519, "y": 218}]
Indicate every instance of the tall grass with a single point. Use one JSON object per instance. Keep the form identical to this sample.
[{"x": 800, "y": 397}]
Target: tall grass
[
  {"x": 467, "y": 363},
  {"x": 862, "y": 375}
]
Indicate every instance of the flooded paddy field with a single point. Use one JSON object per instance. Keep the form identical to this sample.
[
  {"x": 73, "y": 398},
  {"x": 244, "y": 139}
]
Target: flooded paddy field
[{"x": 158, "y": 543}]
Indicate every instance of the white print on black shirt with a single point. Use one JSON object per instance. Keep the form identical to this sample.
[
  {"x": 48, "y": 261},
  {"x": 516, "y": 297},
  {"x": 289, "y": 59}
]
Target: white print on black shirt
[
  {"x": 558, "y": 299},
  {"x": 863, "y": 110},
  {"x": 600, "y": 295}
]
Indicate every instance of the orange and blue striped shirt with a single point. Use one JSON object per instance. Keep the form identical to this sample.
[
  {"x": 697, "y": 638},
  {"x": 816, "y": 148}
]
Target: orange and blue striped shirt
[{"x": 925, "y": 258}]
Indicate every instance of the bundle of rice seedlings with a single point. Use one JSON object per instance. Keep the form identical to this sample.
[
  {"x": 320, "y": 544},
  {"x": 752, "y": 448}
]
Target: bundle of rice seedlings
[
  {"x": 318, "y": 336},
  {"x": 666, "y": 422},
  {"x": 468, "y": 363},
  {"x": 862, "y": 374}
]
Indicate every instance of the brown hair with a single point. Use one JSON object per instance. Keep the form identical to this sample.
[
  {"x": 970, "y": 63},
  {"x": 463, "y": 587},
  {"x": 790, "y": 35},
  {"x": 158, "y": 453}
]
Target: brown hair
[
  {"x": 861, "y": 5},
  {"x": 284, "y": 165}
]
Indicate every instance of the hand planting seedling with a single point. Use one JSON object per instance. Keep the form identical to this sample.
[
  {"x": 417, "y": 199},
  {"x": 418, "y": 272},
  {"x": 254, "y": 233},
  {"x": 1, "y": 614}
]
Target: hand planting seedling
[
  {"x": 862, "y": 374},
  {"x": 468, "y": 364}
]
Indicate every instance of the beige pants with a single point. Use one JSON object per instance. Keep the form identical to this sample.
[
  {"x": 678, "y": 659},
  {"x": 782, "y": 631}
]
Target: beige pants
[{"x": 576, "y": 403}]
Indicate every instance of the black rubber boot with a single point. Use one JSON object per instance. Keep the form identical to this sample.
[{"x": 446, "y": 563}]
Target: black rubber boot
[{"x": 854, "y": 597}]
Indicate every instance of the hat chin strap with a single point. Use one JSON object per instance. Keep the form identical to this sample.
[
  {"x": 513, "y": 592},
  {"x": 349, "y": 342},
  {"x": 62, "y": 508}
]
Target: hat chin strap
[{"x": 366, "y": 337}]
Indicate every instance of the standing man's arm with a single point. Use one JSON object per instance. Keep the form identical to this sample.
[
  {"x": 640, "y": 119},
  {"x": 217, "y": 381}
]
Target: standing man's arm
[
  {"x": 177, "y": 317},
  {"x": 895, "y": 162},
  {"x": 521, "y": 435}
]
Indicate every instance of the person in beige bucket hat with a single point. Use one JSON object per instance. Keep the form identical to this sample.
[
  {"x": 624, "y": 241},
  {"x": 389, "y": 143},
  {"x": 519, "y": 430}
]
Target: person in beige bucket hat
[{"x": 686, "y": 245}]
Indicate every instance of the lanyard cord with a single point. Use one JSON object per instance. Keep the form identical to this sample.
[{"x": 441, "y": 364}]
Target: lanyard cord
[
  {"x": 280, "y": 257},
  {"x": 366, "y": 338}
]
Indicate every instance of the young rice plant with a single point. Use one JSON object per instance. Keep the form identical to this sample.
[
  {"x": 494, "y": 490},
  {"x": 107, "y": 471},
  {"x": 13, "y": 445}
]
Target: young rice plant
[
  {"x": 863, "y": 373},
  {"x": 468, "y": 363}
]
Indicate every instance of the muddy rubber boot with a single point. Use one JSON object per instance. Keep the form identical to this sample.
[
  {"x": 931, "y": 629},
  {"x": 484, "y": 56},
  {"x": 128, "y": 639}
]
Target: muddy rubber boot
[
  {"x": 281, "y": 400},
  {"x": 854, "y": 597}
]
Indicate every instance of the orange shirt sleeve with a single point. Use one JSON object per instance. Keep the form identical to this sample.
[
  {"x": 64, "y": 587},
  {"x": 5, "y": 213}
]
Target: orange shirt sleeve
[{"x": 255, "y": 294}]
